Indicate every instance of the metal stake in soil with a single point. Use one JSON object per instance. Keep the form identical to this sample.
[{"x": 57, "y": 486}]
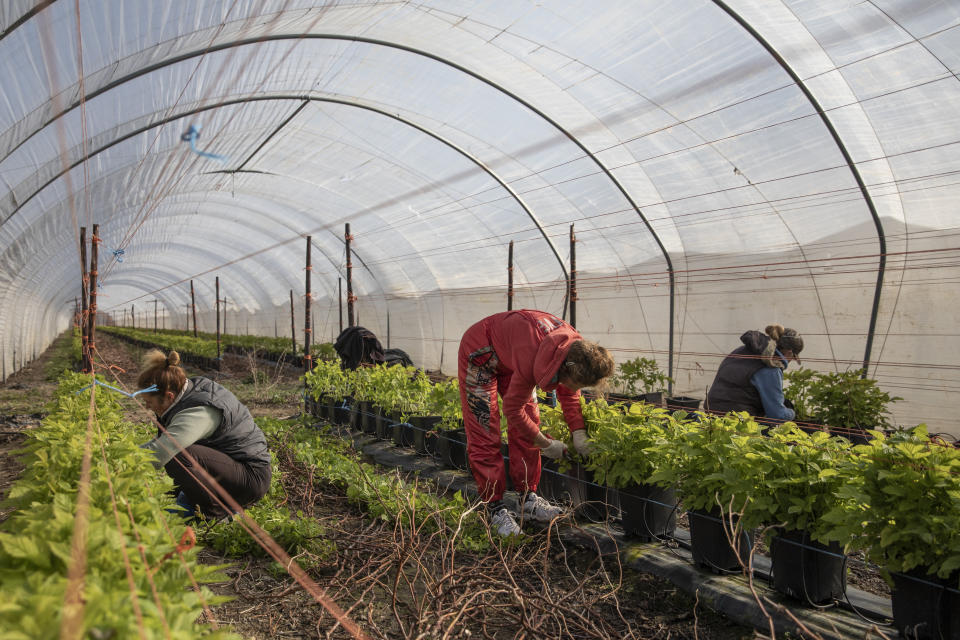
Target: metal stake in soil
[
  {"x": 92, "y": 308},
  {"x": 510, "y": 277},
  {"x": 573, "y": 278},
  {"x": 306, "y": 314},
  {"x": 217, "y": 296},
  {"x": 193, "y": 307},
  {"x": 84, "y": 295},
  {"x": 350, "y": 297},
  {"x": 293, "y": 326}
]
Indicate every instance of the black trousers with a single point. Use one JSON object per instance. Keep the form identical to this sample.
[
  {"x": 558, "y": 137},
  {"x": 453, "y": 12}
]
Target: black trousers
[{"x": 245, "y": 483}]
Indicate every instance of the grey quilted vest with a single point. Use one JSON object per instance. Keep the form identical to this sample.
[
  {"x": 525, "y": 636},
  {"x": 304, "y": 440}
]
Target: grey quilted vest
[{"x": 237, "y": 436}]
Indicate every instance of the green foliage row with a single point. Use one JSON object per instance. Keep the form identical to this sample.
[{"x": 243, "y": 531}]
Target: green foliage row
[
  {"x": 380, "y": 496},
  {"x": 35, "y": 541},
  {"x": 896, "y": 498},
  {"x": 205, "y": 344},
  {"x": 407, "y": 391}
]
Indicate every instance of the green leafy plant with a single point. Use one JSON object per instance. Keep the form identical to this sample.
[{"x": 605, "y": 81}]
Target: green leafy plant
[
  {"x": 715, "y": 461},
  {"x": 629, "y": 448},
  {"x": 839, "y": 399},
  {"x": 640, "y": 375},
  {"x": 902, "y": 503},
  {"x": 802, "y": 475}
]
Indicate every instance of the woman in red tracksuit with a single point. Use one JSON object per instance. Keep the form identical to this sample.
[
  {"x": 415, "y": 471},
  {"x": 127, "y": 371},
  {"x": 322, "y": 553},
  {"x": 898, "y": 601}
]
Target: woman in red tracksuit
[{"x": 512, "y": 353}]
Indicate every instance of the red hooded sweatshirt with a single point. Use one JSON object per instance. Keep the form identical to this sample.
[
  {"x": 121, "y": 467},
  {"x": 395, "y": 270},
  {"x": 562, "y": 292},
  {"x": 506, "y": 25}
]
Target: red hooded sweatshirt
[{"x": 531, "y": 345}]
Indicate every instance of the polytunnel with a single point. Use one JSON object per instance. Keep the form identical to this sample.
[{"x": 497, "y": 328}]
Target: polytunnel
[{"x": 722, "y": 165}]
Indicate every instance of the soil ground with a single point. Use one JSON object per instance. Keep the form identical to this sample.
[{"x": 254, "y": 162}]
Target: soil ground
[{"x": 266, "y": 603}]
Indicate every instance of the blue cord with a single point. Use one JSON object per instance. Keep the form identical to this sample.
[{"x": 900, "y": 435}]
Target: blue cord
[
  {"x": 151, "y": 389},
  {"x": 191, "y": 136}
]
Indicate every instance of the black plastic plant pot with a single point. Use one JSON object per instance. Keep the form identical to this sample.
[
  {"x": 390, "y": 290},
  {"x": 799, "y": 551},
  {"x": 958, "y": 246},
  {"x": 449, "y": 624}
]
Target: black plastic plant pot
[
  {"x": 591, "y": 502},
  {"x": 355, "y": 415},
  {"x": 384, "y": 426},
  {"x": 402, "y": 432},
  {"x": 553, "y": 484},
  {"x": 422, "y": 427},
  {"x": 654, "y": 398},
  {"x": 330, "y": 405},
  {"x": 452, "y": 448},
  {"x": 807, "y": 570},
  {"x": 311, "y": 407},
  {"x": 709, "y": 544},
  {"x": 648, "y": 511},
  {"x": 924, "y": 606},
  {"x": 341, "y": 414},
  {"x": 684, "y": 403},
  {"x": 368, "y": 417}
]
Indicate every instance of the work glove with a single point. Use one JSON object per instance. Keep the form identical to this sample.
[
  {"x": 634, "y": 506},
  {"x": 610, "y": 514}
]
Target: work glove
[
  {"x": 554, "y": 450},
  {"x": 581, "y": 443}
]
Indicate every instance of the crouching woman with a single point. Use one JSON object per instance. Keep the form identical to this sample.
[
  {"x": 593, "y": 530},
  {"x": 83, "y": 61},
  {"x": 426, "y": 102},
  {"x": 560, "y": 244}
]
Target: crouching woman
[{"x": 205, "y": 419}]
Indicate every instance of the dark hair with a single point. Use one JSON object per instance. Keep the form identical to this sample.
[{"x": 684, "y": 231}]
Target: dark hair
[
  {"x": 785, "y": 338},
  {"x": 588, "y": 364},
  {"x": 163, "y": 371}
]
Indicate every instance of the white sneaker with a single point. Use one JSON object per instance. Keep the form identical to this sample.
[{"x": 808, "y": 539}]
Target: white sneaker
[
  {"x": 504, "y": 522},
  {"x": 539, "y": 510}
]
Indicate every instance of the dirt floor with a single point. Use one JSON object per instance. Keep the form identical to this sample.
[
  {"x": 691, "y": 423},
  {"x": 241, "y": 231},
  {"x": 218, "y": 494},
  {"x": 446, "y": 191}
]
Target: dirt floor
[{"x": 503, "y": 597}]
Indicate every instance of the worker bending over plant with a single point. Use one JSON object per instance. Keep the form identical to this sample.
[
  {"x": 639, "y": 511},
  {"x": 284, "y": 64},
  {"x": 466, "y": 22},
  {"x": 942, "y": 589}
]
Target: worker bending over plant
[
  {"x": 511, "y": 354},
  {"x": 214, "y": 427}
]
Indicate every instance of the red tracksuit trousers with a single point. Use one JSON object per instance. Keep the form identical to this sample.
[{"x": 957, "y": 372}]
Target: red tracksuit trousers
[{"x": 481, "y": 378}]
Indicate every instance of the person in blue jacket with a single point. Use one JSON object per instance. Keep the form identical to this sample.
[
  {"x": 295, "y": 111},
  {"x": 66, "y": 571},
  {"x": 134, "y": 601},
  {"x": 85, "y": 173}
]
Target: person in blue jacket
[{"x": 751, "y": 378}]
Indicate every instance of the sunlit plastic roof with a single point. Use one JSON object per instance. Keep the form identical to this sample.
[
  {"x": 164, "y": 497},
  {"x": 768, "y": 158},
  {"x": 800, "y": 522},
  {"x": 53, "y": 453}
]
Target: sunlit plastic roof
[{"x": 724, "y": 166}]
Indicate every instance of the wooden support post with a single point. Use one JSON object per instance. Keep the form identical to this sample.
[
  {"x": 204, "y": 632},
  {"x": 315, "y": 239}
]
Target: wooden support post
[
  {"x": 293, "y": 326},
  {"x": 92, "y": 307},
  {"x": 85, "y": 301},
  {"x": 350, "y": 297},
  {"x": 388, "y": 327},
  {"x": 340, "y": 302},
  {"x": 510, "y": 277},
  {"x": 193, "y": 307},
  {"x": 307, "y": 330},
  {"x": 218, "y": 316},
  {"x": 573, "y": 279}
]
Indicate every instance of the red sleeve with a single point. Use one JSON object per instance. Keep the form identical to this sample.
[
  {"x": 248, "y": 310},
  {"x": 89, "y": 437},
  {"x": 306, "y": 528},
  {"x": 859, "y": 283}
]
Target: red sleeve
[
  {"x": 514, "y": 401},
  {"x": 570, "y": 403}
]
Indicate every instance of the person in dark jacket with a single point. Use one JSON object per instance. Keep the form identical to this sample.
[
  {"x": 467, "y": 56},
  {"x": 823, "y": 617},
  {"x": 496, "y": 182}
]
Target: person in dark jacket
[
  {"x": 751, "y": 378},
  {"x": 210, "y": 423}
]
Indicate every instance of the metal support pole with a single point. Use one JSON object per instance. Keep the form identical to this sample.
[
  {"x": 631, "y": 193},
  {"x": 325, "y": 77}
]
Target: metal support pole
[
  {"x": 92, "y": 308},
  {"x": 350, "y": 297},
  {"x": 218, "y": 316},
  {"x": 154, "y": 315},
  {"x": 293, "y": 326},
  {"x": 193, "y": 307},
  {"x": 510, "y": 277},
  {"x": 573, "y": 278},
  {"x": 133, "y": 317},
  {"x": 340, "y": 301},
  {"x": 307, "y": 330},
  {"x": 388, "y": 327},
  {"x": 84, "y": 311}
]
